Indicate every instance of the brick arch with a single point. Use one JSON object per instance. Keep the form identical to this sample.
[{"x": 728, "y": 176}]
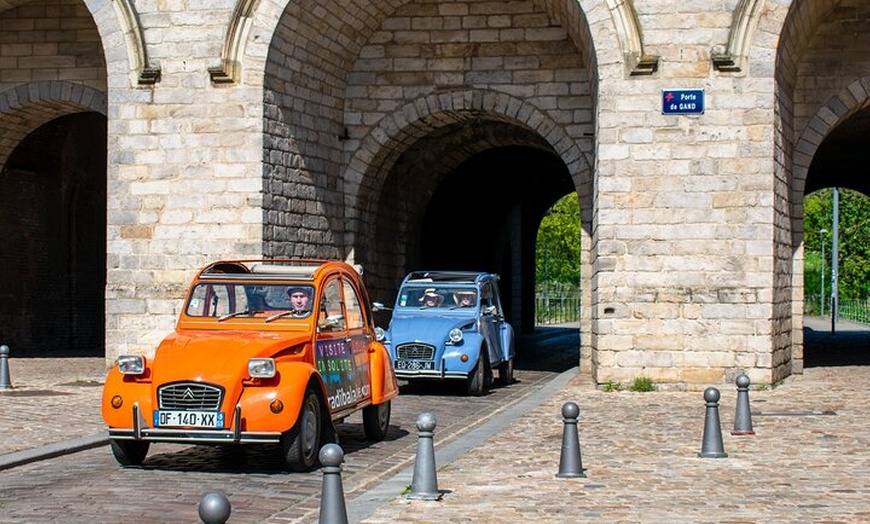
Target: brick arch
[
  {"x": 733, "y": 56},
  {"x": 607, "y": 35},
  {"x": 838, "y": 109},
  {"x": 123, "y": 44},
  {"x": 28, "y": 106},
  {"x": 367, "y": 170},
  {"x": 798, "y": 28}
]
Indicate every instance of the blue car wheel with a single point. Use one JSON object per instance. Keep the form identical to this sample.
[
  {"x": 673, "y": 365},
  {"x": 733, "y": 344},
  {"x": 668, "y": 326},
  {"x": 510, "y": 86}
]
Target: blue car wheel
[{"x": 481, "y": 376}]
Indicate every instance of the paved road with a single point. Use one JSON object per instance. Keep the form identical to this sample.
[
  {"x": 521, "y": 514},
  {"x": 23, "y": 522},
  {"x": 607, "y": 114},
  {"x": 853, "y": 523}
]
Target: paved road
[
  {"x": 89, "y": 486},
  {"x": 808, "y": 462}
]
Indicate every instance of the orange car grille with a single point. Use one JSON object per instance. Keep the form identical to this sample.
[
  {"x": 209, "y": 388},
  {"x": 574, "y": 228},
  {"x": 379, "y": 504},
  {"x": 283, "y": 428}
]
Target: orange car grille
[
  {"x": 190, "y": 396},
  {"x": 416, "y": 351}
]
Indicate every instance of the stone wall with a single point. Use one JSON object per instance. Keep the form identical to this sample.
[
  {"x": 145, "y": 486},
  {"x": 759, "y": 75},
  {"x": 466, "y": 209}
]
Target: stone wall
[{"x": 323, "y": 128}]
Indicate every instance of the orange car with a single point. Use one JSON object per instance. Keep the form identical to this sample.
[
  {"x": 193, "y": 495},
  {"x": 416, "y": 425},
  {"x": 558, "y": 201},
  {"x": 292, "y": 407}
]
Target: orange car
[{"x": 265, "y": 351}]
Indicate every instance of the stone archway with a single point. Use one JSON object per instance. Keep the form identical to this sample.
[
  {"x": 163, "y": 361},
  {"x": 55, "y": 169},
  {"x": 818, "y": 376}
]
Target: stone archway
[{"x": 403, "y": 162}]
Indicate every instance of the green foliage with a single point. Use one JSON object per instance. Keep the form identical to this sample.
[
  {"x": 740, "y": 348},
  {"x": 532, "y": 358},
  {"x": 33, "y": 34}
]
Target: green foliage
[
  {"x": 610, "y": 387},
  {"x": 854, "y": 243},
  {"x": 642, "y": 384},
  {"x": 558, "y": 243}
]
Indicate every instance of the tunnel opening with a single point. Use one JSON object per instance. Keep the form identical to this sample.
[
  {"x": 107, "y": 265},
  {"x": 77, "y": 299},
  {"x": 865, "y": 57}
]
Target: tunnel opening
[
  {"x": 838, "y": 163},
  {"x": 485, "y": 214},
  {"x": 53, "y": 221}
]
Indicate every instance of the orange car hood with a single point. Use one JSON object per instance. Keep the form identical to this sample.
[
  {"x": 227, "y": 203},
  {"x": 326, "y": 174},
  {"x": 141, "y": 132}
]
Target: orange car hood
[{"x": 217, "y": 356}]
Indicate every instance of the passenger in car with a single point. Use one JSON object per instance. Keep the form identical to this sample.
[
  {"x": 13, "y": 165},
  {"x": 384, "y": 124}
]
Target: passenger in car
[
  {"x": 431, "y": 299},
  {"x": 464, "y": 298},
  {"x": 300, "y": 300}
]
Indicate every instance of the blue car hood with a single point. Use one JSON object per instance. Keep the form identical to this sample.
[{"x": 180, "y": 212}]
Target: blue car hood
[{"x": 428, "y": 329}]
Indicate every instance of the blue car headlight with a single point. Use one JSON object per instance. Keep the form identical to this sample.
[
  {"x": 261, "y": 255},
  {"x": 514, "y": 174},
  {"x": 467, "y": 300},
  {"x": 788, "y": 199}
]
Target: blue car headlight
[{"x": 455, "y": 335}]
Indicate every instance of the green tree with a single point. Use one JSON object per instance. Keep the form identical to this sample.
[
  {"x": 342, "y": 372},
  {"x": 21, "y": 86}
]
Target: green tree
[
  {"x": 558, "y": 243},
  {"x": 854, "y": 243}
]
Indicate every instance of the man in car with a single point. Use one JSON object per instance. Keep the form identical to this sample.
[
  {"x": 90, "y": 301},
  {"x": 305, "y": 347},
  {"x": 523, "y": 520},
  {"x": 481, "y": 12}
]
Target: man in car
[{"x": 300, "y": 301}]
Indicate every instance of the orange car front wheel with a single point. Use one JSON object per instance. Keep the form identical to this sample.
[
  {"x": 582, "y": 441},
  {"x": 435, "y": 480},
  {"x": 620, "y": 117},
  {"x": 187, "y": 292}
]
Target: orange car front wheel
[
  {"x": 129, "y": 452},
  {"x": 301, "y": 443}
]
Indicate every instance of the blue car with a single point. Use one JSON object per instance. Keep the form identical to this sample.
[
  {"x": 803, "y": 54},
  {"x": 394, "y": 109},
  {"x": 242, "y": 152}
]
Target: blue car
[{"x": 450, "y": 325}]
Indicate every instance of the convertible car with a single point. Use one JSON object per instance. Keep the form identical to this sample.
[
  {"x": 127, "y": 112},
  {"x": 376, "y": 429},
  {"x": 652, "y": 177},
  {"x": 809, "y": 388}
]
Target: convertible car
[
  {"x": 449, "y": 325},
  {"x": 264, "y": 351}
]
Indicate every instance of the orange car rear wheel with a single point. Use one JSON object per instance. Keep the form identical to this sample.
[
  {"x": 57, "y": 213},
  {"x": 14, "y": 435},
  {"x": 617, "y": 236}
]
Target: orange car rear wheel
[{"x": 376, "y": 420}]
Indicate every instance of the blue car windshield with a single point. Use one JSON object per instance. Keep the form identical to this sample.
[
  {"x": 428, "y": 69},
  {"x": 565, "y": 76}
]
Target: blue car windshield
[{"x": 440, "y": 297}]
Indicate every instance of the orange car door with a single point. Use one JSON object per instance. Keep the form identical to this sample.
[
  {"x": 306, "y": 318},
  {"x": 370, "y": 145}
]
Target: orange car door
[
  {"x": 358, "y": 338},
  {"x": 333, "y": 354}
]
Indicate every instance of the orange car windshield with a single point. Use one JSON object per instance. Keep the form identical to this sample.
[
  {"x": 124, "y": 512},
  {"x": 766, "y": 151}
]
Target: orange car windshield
[{"x": 226, "y": 300}]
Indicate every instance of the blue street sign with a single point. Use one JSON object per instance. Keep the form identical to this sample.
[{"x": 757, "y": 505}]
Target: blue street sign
[{"x": 682, "y": 101}]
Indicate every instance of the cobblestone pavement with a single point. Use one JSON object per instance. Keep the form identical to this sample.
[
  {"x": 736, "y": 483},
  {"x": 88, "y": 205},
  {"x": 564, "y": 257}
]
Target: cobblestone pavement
[{"x": 809, "y": 460}]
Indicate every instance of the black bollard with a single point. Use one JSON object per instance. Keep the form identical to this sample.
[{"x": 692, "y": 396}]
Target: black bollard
[
  {"x": 214, "y": 508},
  {"x": 570, "y": 463},
  {"x": 424, "y": 485},
  {"x": 742, "y": 415},
  {"x": 332, "y": 507},
  {"x": 5, "y": 382},
  {"x": 712, "y": 446}
]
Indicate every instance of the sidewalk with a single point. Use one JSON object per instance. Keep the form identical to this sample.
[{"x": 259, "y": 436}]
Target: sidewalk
[
  {"x": 809, "y": 460},
  {"x": 52, "y": 408}
]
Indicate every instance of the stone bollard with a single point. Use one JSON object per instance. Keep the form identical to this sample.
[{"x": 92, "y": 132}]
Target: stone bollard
[
  {"x": 742, "y": 415},
  {"x": 570, "y": 463},
  {"x": 5, "y": 382},
  {"x": 712, "y": 446},
  {"x": 424, "y": 485},
  {"x": 332, "y": 507},
  {"x": 214, "y": 508}
]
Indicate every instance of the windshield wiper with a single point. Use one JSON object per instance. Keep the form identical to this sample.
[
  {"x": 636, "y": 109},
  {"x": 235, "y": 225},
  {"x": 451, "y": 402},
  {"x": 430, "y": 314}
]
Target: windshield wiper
[
  {"x": 283, "y": 314},
  {"x": 236, "y": 314}
]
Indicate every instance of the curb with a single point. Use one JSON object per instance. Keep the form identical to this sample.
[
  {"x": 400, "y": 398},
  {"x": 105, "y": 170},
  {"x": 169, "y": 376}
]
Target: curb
[{"x": 18, "y": 458}]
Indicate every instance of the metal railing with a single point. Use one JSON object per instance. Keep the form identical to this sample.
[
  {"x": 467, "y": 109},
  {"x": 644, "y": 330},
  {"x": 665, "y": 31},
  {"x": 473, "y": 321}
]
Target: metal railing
[
  {"x": 854, "y": 310},
  {"x": 557, "y": 305}
]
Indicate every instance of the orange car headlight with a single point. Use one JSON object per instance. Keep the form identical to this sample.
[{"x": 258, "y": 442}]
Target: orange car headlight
[
  {"x": 261, "y": 367},
  {"x": 131, "y": 364}
]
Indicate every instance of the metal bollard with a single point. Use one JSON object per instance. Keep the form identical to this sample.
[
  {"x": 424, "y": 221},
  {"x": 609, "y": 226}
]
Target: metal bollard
[
  {"x": 712, "y": 446},
  {"x": 424, "y": 485},
  {"x": 332, "y": 507},
  {"x": 5, "y": 382},
  {"x": 742, "y": 415},
  {"x": 570, "y": 463},
  {"x": 214, "y": 508}
]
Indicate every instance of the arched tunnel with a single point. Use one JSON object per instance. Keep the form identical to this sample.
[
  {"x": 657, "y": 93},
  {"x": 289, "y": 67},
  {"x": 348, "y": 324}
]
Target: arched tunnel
[
  {"x": 469, "y": 196},
  {"x": 841, "y": 160},
  {"x": 53, "y": 219},
  {"x": 504, "y": 187}
]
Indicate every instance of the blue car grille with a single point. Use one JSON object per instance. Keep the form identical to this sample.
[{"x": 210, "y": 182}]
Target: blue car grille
[
  {"x": 190, "y": 396},
  {"x": 416, "y": 351}
]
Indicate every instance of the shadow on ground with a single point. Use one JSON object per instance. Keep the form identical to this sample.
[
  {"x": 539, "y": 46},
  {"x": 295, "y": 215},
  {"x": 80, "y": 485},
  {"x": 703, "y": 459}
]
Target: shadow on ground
[
  {"x": 823, "y": 348},
  {"x": 549, "y": 348},
  {"x": 557, "y": 348}
]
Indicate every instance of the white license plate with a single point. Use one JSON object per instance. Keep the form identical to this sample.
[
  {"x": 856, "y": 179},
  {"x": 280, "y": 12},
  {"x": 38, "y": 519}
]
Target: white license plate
[
  {"x": 192, "y": 419},
  {"x": 415, "y": 365}
]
